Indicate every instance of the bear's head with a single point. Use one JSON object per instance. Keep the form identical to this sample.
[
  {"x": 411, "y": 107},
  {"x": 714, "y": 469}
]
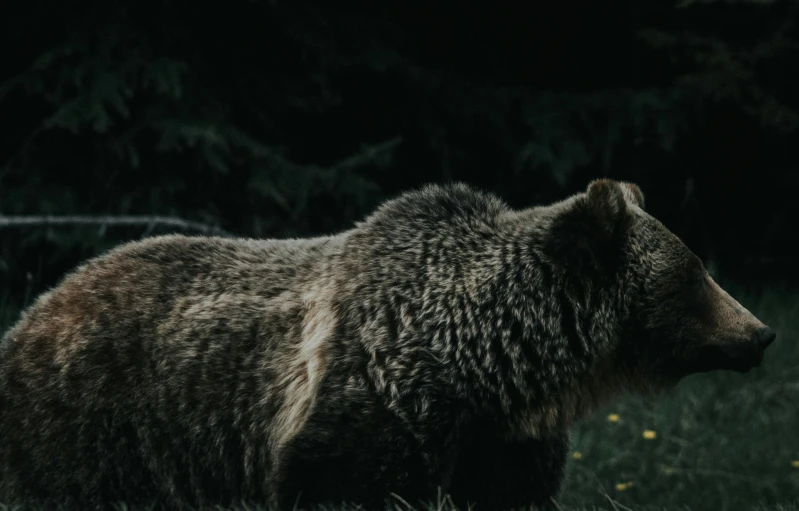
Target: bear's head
[{"x": 678, "y": 320}]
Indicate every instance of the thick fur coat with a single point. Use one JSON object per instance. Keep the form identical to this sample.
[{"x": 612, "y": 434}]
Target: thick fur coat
[{"x": 444, "y": 345}]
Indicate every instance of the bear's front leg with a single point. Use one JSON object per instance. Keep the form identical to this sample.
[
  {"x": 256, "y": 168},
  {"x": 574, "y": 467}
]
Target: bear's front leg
[
  {"x": 358, "y": 455},
  {"x": 493, "y": 473}
]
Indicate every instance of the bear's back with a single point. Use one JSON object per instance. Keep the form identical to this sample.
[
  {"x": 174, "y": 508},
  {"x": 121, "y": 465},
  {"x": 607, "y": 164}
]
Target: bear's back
[{"x": 141, "y": 284}]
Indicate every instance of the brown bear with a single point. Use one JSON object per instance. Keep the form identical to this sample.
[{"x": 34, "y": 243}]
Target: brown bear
[{"x": 442, "y": 346}]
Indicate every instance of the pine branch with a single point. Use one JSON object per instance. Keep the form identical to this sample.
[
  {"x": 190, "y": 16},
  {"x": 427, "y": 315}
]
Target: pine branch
[
  {"x": 106, "y": 221},
  {"x": 368, "y": 154}
]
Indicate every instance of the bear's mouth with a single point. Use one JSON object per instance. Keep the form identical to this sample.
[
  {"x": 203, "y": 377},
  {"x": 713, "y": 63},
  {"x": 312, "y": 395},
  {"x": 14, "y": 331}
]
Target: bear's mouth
[{"x": 740, "y": 357}]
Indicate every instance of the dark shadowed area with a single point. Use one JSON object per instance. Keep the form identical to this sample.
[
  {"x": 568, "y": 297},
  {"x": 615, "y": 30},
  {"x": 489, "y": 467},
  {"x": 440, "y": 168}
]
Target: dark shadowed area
[{"x": 123, "y": 119}]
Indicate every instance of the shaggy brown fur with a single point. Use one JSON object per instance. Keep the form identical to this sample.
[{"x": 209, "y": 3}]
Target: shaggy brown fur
[{"x": 446, "y": 343}]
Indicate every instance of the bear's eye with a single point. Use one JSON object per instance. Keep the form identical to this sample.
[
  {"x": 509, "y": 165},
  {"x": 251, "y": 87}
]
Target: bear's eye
[{"x": 697, "y": 279}]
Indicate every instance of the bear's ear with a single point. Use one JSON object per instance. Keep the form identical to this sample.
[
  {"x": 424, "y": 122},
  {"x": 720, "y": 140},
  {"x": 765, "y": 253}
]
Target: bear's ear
[
  {"x": 607, "y": 203},
  {"x": 629, "y": 191},
  {"x": 588, "y": 235},
  {"x": 632, "y": 193}
]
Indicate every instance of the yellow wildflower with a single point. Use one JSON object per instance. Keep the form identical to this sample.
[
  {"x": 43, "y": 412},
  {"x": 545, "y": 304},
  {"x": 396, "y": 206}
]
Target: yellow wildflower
[
  {"x": 577, "y": 455},
  {"x": 613, "y": 417},
  {"x": 650, "y": 435},
  {"x": 624, "y": 486},
  {"x": 795, "y": 463}
]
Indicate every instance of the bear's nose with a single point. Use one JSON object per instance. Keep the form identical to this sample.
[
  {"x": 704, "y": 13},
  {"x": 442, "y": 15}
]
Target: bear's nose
[{"x": 765, "y": 336}]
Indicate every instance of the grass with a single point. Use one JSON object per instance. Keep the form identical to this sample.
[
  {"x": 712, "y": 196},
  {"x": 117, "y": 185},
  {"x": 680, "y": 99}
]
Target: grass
[{"x": 719, "y": 441}]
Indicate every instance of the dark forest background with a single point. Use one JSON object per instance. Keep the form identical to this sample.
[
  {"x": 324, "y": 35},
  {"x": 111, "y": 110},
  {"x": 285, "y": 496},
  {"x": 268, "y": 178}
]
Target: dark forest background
[{"x": 294, "y": 118}]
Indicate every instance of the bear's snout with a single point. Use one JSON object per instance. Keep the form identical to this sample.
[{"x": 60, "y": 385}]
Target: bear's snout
[
  {"x": 745, "y": 355},
  {"x": 736, "y": 354},
  {"x": 764, "y": 337}
]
